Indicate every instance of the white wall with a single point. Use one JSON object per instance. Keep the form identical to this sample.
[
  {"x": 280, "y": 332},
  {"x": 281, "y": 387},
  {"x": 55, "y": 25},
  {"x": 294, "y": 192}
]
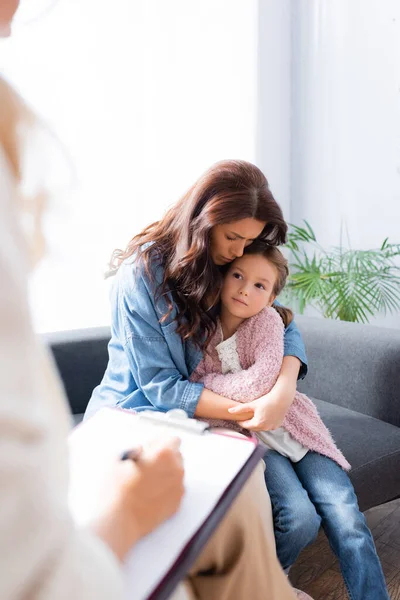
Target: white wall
[{"x": 143, "y": 101}]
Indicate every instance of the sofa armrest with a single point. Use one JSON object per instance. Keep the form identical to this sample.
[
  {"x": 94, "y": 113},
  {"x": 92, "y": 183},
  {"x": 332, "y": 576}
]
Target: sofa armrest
[
  {"x": 81, "y": 358},
  {"x": 352, "y": 365}
]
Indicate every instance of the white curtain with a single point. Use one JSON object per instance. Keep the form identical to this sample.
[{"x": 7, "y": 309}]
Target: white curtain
[{"x": 346, "y": 119}]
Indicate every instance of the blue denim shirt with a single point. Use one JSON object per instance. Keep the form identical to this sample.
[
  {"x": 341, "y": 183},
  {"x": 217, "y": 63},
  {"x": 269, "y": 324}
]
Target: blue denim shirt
[{"x": 149, "y": 364}]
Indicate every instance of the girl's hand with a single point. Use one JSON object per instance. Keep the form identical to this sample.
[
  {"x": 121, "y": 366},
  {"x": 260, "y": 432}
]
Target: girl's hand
[{"x": 269, "y": 411}]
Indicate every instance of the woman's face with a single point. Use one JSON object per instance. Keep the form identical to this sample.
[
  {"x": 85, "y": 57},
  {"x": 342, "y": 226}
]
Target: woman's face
[
  {"x": 8, "y": 8},
  {"x": 229, "y": 240}
]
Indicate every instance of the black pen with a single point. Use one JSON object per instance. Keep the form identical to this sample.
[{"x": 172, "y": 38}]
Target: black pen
[{"x": 133, "y": 454}]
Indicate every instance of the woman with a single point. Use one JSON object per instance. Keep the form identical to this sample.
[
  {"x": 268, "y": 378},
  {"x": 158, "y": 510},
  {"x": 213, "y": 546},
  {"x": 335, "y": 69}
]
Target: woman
[
  {"x": 165, "y": 296},
  {"x": 43, "y": 554},
  {"x": 166, "y": 291}
]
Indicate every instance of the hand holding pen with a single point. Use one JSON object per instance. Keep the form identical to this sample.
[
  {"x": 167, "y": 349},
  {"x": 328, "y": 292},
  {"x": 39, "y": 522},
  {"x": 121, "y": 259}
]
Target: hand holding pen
[{"x": 147, "y": 489}]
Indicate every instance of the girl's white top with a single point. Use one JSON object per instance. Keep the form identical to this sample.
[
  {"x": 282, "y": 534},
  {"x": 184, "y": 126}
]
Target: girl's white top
[{"x": 277, "y": 439}]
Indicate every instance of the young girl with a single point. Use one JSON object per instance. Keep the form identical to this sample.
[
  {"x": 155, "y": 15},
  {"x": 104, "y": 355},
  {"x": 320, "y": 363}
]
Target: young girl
[{"x": 242, "y": 362}]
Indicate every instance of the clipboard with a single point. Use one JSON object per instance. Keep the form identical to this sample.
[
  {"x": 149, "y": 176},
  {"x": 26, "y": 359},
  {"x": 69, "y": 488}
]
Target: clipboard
[{"x": 208, "y": 510}]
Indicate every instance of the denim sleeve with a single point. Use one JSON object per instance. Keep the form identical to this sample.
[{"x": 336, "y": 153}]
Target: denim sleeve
[
  {"x": 294, "y": 346},
  {"x": 149, "y": 355}
]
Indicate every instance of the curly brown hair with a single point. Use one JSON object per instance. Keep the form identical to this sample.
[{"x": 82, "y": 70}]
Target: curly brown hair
[{"x": 231, "y": 190}]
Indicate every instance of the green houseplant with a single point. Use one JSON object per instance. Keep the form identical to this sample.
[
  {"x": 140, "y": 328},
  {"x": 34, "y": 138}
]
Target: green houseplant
[{"x": 345, "y": 284}]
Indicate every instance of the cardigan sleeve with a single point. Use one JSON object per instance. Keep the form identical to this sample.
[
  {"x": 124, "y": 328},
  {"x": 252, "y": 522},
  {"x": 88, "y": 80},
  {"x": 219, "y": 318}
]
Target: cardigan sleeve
[{"x": 262, "y": 342}]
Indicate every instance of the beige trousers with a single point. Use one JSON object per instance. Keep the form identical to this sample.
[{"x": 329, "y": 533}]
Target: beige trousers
[{"x": 239, "y": 562}]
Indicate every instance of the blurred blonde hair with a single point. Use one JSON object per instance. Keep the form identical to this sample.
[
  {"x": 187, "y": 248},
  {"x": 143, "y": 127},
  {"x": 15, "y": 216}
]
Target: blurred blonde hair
[
  {"x": 17, "y": 122},
  {"x": 14, "y": 118}
]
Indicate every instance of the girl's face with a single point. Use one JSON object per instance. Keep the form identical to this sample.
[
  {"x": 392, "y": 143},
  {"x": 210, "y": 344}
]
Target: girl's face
[
  {"x": 248, "y": 286},
  {"x": 229, "y": 240}
]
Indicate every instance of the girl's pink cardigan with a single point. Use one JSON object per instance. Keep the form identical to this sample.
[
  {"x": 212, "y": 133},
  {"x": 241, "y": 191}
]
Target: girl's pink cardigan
[{"x": 260, "y": 350}]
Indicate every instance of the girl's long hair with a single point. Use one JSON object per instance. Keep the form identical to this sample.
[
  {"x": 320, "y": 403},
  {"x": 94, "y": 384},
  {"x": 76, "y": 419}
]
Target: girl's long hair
[
  {"x": 276, "y": 258},
  {"x": 229, "y": 191}
]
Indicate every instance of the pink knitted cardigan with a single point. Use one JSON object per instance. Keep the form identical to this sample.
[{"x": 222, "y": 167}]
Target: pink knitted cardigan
[{"x": 260, "y": 350}]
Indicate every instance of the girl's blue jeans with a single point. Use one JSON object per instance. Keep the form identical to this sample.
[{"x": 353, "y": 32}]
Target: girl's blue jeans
[{"x": 313, "y": 492}]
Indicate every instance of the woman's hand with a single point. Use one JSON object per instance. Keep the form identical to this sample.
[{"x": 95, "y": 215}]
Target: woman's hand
[
  {"x": 140, "y": 495},
  {"x": 214, "y": 406},
  {"x": 268, "y": 412}
]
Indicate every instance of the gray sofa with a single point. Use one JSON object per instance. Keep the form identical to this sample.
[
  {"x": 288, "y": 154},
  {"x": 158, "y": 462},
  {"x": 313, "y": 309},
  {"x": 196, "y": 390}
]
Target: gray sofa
[{"x": 354, "y": 379}]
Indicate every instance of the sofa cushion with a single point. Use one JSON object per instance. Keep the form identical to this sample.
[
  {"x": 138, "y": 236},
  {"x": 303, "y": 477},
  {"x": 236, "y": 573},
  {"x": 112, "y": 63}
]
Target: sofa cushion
[
  {"x": 81, "y": 357},
  {"x": 76, "y": 419},
  {"x": 373, "y": 449},
  {"x": 353, "y": 365}
]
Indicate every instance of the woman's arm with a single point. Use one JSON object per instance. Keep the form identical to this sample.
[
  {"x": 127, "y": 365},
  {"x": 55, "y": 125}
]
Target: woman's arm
[
  {"x": 261, "y": 378},
  {"x": 251, "y": 383},
  {"x": 259, "y": 342},
  {"x": 270, "y": 410},
  {"x": 215, "y": 406},
  {"x": 294, "y": 346},
  {"x": 161, "y": 376}
]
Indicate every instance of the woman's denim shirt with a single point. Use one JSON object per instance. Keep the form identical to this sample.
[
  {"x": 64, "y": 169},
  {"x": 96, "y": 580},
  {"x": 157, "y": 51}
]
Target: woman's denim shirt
[{"x": 149, "y": 364}]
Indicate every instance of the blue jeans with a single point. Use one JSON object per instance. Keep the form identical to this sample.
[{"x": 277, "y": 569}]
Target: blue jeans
[{"x": 313, "y": 492}]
